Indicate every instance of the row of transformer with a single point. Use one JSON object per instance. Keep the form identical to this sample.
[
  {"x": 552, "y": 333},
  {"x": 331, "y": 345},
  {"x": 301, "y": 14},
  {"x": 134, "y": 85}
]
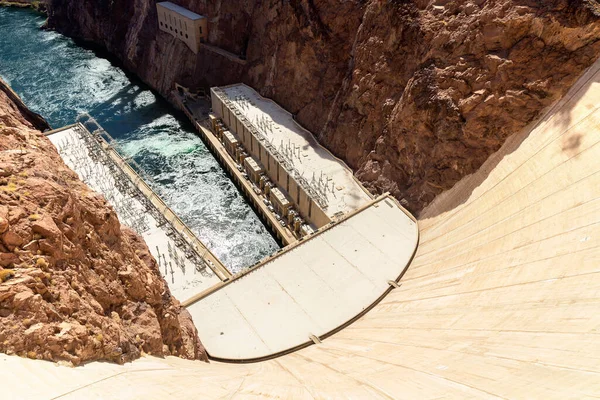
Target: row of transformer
[
  {"x": 276, "y": 167},
  {"x": 280, "y": 203}
]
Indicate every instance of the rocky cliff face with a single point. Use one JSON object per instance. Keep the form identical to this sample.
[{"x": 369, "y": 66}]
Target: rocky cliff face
[
  {"x": 75, "y": 286},
  {"x": 413, "y": 95}
]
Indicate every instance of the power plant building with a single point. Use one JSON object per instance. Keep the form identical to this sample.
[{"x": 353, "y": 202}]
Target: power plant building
[
  {"x": 319, "y": 186},
  {"x": 187, "y": 26}
]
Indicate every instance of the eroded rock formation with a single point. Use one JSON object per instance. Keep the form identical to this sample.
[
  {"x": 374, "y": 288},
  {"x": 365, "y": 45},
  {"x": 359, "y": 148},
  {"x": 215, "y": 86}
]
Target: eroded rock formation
[
  {"x": 75, "y": 285},
  {"x": 413, "y": 95}
]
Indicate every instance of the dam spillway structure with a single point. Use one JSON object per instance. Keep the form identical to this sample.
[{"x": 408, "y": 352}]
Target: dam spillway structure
[
  {"x": 347, "y": 248},
  {"x": 499, "y": 301}
]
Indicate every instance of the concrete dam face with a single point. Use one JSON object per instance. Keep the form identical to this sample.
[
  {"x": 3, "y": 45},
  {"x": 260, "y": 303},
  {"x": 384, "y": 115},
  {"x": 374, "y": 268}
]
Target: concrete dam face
[{"x": 500, "y": 300}]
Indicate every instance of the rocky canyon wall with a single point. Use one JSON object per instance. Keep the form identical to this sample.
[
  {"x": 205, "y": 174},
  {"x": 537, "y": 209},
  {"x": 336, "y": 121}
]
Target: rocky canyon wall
[
  {"x": 413, "y": 95},
  {"x": 75, "y": 286}
]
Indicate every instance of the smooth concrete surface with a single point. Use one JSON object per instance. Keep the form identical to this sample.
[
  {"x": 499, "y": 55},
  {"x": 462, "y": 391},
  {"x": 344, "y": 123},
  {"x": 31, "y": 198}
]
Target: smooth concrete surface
[
  {"x": 311, "y": 289},
  {"x": 501, "y": 300}
]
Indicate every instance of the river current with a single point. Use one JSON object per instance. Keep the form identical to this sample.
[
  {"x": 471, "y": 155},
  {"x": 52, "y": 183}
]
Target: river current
[{"x": 60, "y": 80}]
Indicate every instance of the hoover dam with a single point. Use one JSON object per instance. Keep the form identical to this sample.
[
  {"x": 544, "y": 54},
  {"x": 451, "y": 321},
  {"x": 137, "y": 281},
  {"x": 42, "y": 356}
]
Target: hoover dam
[{"x": 492, "y": 291}]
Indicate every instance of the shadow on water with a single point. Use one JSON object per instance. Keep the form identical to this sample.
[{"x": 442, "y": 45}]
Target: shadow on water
[{"x": 120, "y": 114}]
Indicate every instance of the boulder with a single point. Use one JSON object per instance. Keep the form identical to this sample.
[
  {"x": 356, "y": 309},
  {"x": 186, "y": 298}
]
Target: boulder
[{"x": 46, "y": 227}]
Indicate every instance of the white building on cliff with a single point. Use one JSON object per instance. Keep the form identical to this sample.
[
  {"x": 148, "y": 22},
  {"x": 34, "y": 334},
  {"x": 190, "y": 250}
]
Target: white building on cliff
[{"x": 187, "y": 26}]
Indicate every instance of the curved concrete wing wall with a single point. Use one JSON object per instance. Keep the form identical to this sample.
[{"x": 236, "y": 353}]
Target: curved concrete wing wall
[
  {"x": 501, "y": 300},
  {"x": 310, "y": 290}
]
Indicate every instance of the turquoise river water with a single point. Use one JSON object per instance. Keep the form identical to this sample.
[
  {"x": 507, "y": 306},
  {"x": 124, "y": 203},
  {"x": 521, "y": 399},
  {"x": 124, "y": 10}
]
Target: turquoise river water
[{"x": 61, "y": 80}]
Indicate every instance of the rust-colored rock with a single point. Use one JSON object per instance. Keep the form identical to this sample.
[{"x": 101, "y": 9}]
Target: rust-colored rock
[
  {"x": 46, "y": 228},
  {"x": 76, "y": 286},
  {"x": 413, "y": 95},
  {"x": 3, "y": 225},
  {"x": 12, "y": 240}
]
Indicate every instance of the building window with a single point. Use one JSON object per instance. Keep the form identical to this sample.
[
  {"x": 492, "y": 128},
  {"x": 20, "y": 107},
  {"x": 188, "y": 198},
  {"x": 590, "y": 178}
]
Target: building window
[
  {"x": 287, "y": 186},
  {"x": 186, "y": 36},
  {"x": 200, "y": 30},
  {"x": 176, "y": 31},
  {"x": 161, "y": 24}
]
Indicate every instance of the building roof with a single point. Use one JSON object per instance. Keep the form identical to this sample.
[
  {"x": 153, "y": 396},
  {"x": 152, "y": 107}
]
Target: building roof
[
  {"x": 230, "y": 136},
  {"x": 183, "y": 282},
  {"x": 281, "y": 197},
  {"x": 253, "y": 164},
  {"x": 342, "y": 191},
  {"x": 180, "y": 10}
]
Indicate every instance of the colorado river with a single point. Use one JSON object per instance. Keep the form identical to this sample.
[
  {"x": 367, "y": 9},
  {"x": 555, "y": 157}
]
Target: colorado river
[{"x": 61, "y": 80}]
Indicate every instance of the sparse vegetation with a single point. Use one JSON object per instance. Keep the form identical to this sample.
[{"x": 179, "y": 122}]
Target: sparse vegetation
[
  {"x": 41, "y": 263},
  {"x": 10, "y": 186},
  {"x": 6, "y": 274}
]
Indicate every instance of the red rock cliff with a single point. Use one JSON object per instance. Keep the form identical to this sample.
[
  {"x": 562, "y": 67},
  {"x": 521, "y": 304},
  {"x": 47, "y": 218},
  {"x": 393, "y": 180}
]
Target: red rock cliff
[
  {"x": 413, "y": 95},
  {"x": 74, "y": 285}
]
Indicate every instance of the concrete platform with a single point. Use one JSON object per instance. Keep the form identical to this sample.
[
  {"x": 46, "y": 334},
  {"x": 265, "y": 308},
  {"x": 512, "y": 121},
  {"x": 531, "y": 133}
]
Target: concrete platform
[{"x": 310, "y": 289}]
